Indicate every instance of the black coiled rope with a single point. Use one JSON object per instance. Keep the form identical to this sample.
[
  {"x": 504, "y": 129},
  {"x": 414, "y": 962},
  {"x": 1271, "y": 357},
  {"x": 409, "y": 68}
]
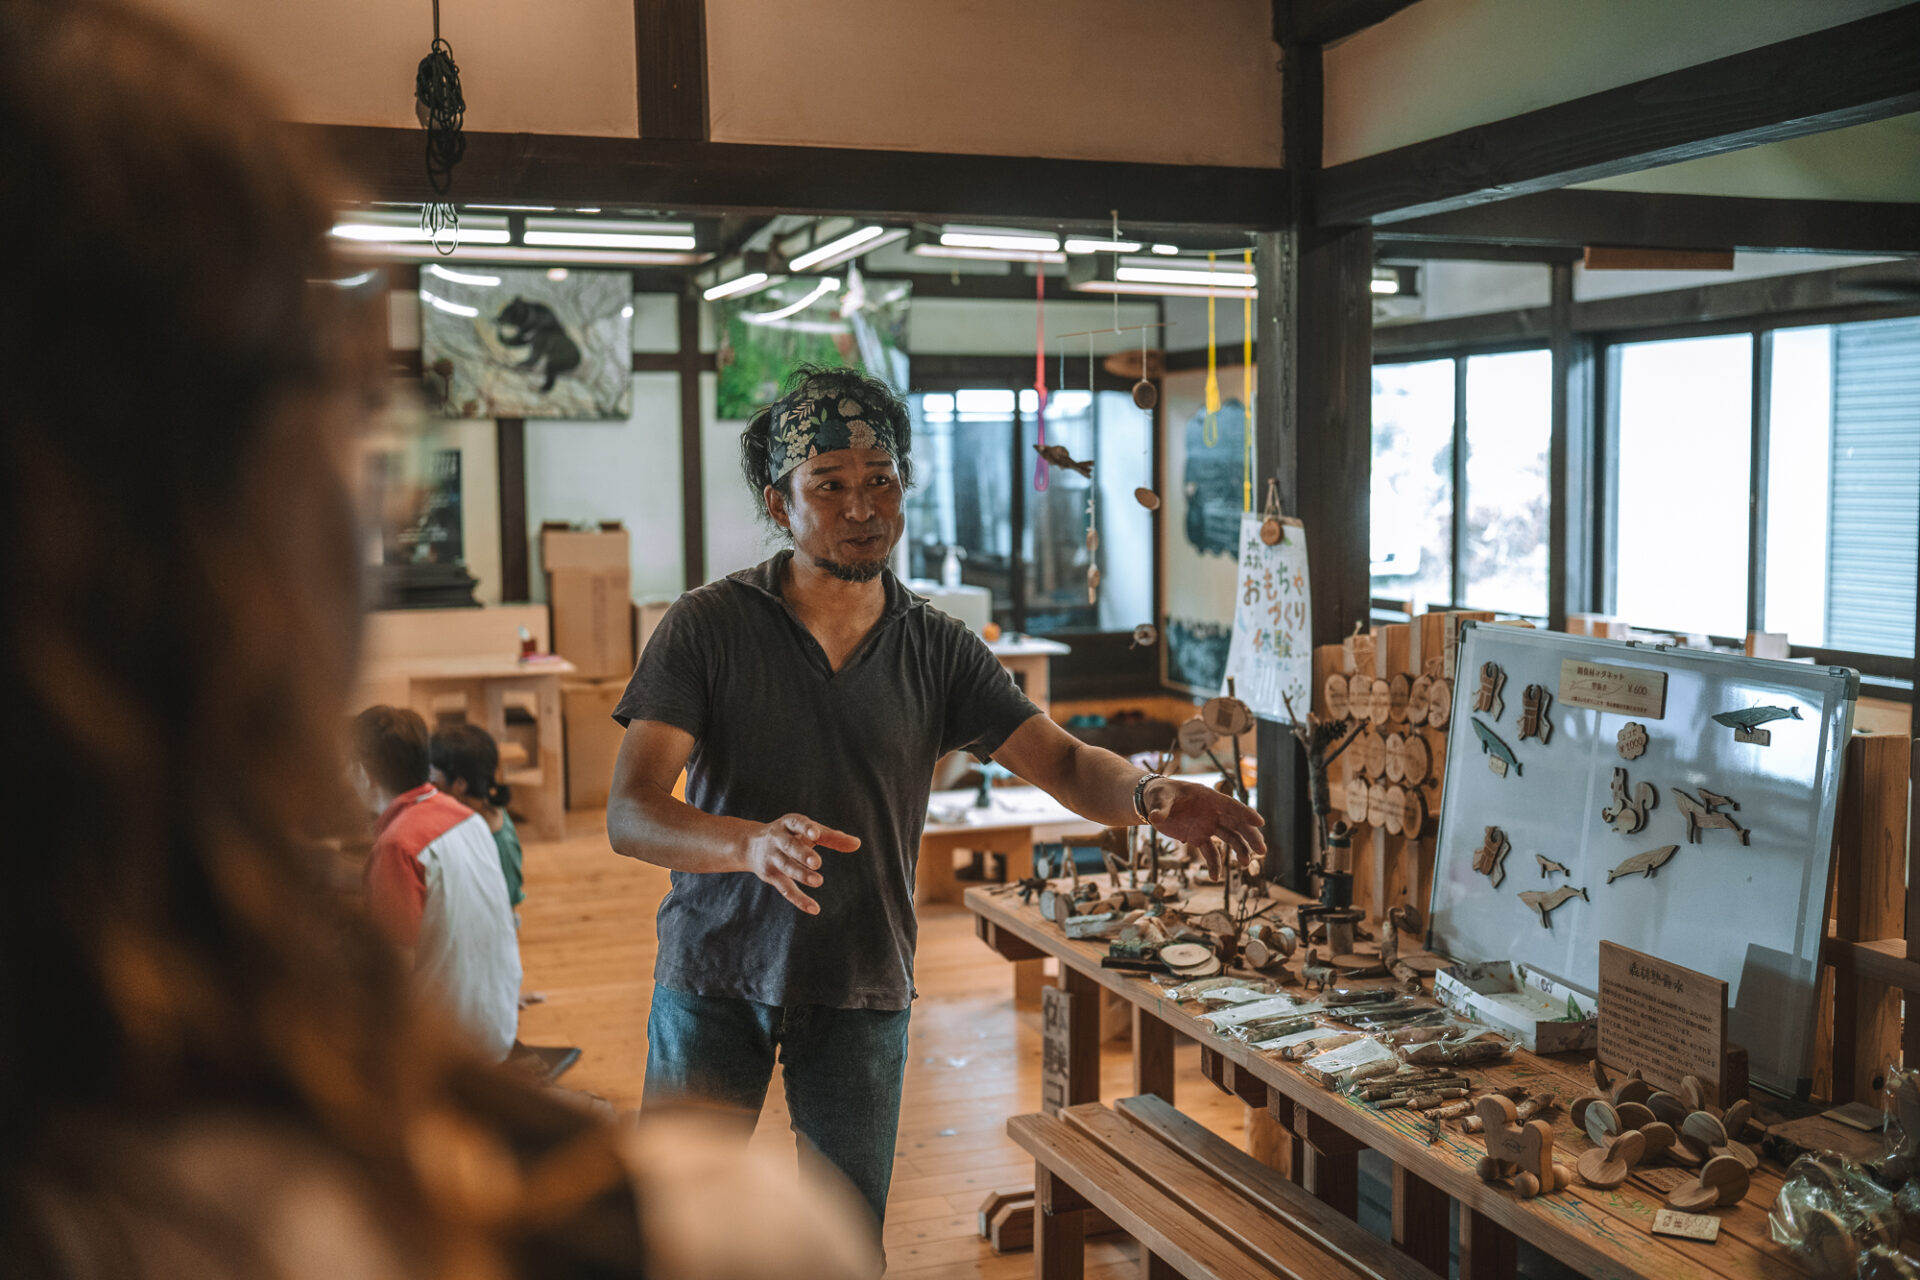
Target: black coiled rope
[{"x": 442, "y": 109}]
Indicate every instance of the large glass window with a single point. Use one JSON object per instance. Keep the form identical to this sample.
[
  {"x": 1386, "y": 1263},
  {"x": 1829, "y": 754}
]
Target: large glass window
[
  {"x": 1411, "y": 525},
  {"x": 1683, "y": 476},
  {"x": 962, "y": 493},
  {"x": 1509, "y": 424}
]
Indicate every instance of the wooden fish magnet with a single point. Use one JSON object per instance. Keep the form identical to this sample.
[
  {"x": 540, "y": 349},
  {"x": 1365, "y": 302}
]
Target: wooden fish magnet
[
  {"x": 1746, "y": 722},
  {"x": 1500, "y": 757},
  {"x": 1544, "y": 903},
  {"x": 1488, "y": 698}
]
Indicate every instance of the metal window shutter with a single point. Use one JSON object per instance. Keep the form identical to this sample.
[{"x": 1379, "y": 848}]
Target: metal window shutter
[{"x": 1876, "y": 486}]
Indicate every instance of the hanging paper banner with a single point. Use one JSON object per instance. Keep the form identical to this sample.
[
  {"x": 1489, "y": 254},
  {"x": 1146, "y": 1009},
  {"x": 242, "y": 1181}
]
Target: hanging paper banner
[{"x": 1270, "y": 657}]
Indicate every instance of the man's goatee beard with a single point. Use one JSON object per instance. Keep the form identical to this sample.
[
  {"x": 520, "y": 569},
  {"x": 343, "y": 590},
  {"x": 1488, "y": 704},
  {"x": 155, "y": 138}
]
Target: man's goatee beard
[{"x": 864, "y": 571}]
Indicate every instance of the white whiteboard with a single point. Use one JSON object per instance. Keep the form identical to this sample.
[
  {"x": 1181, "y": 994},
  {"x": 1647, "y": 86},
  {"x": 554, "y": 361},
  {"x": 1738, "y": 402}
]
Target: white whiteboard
[{"x": 1753, "y": 915}]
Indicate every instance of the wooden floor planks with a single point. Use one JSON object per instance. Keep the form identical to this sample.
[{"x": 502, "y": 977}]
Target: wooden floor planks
[{"x": 587, "y": 944}]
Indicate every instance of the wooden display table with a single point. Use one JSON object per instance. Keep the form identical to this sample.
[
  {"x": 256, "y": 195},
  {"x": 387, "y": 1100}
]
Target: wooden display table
[
  {"x": 1599, "y": 1233},
  {"x": 1018, "y": 818},
  {"x": 485, "y": 684},
  {"x": 1028, "y": 659}
]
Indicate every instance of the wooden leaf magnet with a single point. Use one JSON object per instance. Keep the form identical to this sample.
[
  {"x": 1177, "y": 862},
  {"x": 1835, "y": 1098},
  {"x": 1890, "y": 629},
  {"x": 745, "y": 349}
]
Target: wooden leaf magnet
[
  {"x": 1722, "y": 1183},
  {"x": 1399, "y": 691},
  {"x": 1544, "y": 903},
  {"x": 1379, "y": 702},
  {"x": 1500, "y": 757},
  {"x": 1413, "y": 813},
  {"x": 1704, "y": 814},
  {"x": 1628, "y": 812},
  {"x": 1416, "y": 762},
  {"x": 1548, "y": 866},
  {"x": 1487, "y": 698},
  {"x": 1534, "y": 701},
  {"x": 1357, "y": 799},
  {"x": 1746, "y": 722},
  {"x": 1649, "y": 862},
  {"x": 1523, "y": 1152},
  {"x": 1419, "y": 699},
  {"x": 1491, "y": 857},
  {"x": 1336, "y": 692},
  {"x": 1607, "y": 1167},
  {"x": 1632, "y": 740},
  {"x": 1440, "y": 703},
  {"x": 1395, "y": 761}
]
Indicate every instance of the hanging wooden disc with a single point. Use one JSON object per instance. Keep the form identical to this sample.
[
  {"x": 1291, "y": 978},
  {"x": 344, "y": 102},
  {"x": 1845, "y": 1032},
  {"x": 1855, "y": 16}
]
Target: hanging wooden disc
[
  {"x": 1270, "y": 532},
  {"x": 1440, "y": 704},
  {"x": 1377, "y": 803},
  {"x": 1379, "y": 701},
  {"x": 1227, "y": 716},
  {"x": 1396, "y": 765},
  {"x": 1419, "y": 694},
  {"x": 1376, "y": 748},
  {"x": 1396, "y": 807},
  {"x": 1413, "y": 813},
  {"x": 1357, "y": 800},
  {"x": 1195, "y": 738},
  {"x": 1336, "y": 693},
  {"x": 1147, "y": 498},
  {"x": 1398, "y": 690},
  {"x": 1416, "y": 761}
]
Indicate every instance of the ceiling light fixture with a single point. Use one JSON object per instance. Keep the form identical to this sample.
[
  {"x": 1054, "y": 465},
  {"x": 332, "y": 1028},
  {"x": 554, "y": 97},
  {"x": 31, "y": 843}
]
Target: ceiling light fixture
[
  {"x": 606, "y": 234},
  {"x": 851, "y": 245},
  {"x": 462, "y": 277},
  {"x": 375, "y": 227},
  {"x": 997, "y": 238},
  {"x": 827, "y": 285},
  {"x": 1103, "y": 246},
  {"x": 1166, "y": 250},
  {"x": 514, "y": 253},
  {"x": 752, "y": 282},
  {"x": 985, "y": 255},
  {"x": 451, "y": 308},
  {"x": 1159, "y": 273}
]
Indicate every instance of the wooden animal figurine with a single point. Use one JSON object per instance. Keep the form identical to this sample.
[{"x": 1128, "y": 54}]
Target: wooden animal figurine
[
  {"x": 1548, "y": 866},
  {"x": 1722, "y": 1183},
  {"x": 1632, "y": 740},
  {"x": 1059, "y": 457},
  {"x": 1746, "y": 722},
  {"x": 1491, "y": 857},
  {"x": 1649, "y": 862},
  {"x": 1545, "y": 903},
  {"x": 1487, "y": 698},
  {"x": 1313, "y": 974},
  {"x": 1522, "y": 1152},
  {"x": 1703, "y": 814},
  {"x": 1606, "y": 1167},
  {"x": 1534, "y": 701},
  {"x": 1500, "y": 755},
  {"x": 1628, "y": 813}
]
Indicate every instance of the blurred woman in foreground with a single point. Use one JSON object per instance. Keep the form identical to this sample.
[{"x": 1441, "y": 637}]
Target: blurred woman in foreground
[{"x": 209, "y": 1066}]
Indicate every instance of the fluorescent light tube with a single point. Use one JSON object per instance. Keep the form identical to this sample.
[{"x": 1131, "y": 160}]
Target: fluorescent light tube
[
  {"x": 462, "y": 277},
  {"x": 404, "y": 228},
  {"x": 826, "y": 286},
  {"x": 985, "y": 255},
  {"x": 1157, "y": 290},
  {"x": 1166, "y": 249},
  {"x": 993, "y": 238},
  {"x": 1168, "y": 275},
  {"x": 1103, "y": 246},
  {"x": 838, "y": 250},
  {"x": 590, "y": 233},
  {"x": 752, "y": 282},
  {"x": 1385, "y": 286},
  {"x": 451, "y": 308}
]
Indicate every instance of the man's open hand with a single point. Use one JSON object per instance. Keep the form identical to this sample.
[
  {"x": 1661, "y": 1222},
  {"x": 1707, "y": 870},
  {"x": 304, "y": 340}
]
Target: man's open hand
[
  {"x": 1194, "y": 815},
  {"x": 786, "y": 854}
]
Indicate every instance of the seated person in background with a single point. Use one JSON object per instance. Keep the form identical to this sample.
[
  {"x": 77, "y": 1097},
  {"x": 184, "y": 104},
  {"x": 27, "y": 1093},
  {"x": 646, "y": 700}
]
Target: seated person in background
[
  {"x": 465, "y": 763},
  {"x": 434, "y": 883}
]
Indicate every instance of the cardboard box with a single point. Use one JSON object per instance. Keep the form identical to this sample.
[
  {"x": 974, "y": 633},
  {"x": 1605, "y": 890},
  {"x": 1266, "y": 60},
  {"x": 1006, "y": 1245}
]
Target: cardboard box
[
  {"x": 593, "y": 739},
  {"x": 589, "y": 590},
  {"x": 646, "y": 617},
  {"x": 1528, "y": 1006}
]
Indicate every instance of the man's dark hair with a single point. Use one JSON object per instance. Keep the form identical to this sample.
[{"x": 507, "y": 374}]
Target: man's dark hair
[
  {"x": 756, "y": 442},
  {"x": 391, "y": 745}
]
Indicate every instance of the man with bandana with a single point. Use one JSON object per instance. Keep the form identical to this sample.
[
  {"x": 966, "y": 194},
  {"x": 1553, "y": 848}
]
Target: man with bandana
[{"x": 808, "y": 699}]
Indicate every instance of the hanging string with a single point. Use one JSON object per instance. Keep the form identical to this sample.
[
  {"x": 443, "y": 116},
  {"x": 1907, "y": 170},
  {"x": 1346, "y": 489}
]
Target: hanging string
[
  {"x": 1246, "y": 391},
  {"x": 1042, "y": 476},
  {"x": 442, "y": 109},
  {"x": 1210, "y": 428},
  {"x": 1115, "y": 295},
  {"x": 1093, "y": 490}
]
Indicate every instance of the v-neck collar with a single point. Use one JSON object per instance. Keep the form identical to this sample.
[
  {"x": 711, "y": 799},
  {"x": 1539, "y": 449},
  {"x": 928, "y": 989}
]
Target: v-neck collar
[{"x": 766, "y": 578}]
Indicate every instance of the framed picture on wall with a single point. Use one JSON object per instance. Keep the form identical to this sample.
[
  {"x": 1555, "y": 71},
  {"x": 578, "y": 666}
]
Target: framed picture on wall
[{"x": 507, "y": 342}]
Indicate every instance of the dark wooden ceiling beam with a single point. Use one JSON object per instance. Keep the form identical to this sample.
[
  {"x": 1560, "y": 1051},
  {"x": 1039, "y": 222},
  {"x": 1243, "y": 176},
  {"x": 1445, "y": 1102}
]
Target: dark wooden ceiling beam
[
  {"x": 670, "y": 67},
  {"x": 1399, "y": 248},
  {"x": 1301, "y": 22},
  {"x": 1655, "y": 220},
  {"x": 1845, "y": 75},
  {"x": 692, "y": 177}
]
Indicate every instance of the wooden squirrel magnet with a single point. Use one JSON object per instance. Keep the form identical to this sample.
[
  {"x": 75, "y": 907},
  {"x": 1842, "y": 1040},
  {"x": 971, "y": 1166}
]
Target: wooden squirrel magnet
[
  {"x": 1534, "y": 701},
  {"x": 1488, "y": 698},
  {"x": 1522, "y": 1152},
  {"x": 1628, "y": 812}
]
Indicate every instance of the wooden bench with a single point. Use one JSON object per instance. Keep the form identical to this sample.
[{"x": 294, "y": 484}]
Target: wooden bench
[{"x": 1198, "y": 1206}]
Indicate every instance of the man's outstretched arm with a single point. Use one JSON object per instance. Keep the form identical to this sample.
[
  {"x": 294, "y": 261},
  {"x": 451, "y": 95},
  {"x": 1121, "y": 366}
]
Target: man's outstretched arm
[{"x": 644, "y": 821}]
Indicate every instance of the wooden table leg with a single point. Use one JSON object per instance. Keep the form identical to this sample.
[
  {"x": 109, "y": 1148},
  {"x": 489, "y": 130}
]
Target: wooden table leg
[
  {"x": 1029, "y": 976},
  {"x": 1488, "y": 1251},
  {"x": 1293, "y": 1163},
  {"x": 934, "y": 880},
  {"x": 1083, "y": 1032},
  {"x": 1420, "y": 1220},
  {"x": 1059, "y": 1228},
  {"x": 1333, "y": 1161},
  {"x": 1153, "y": 1042},
  {"x": 550, "y": 806}
]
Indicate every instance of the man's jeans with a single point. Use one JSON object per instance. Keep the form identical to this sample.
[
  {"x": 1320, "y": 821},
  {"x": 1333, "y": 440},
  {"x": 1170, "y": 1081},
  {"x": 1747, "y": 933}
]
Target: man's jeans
[{"x": 842, "y": 1070}]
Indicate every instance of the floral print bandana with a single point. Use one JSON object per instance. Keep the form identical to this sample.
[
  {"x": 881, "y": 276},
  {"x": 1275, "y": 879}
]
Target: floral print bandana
[{"x": 810, "y": 422}]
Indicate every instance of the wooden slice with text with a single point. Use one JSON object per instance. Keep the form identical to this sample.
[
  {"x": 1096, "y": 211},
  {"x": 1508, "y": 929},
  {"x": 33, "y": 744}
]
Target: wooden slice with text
[
  {"x": 1413, "y": 813},
  {"x": 1416, "y": 761},
  {"x": 1440, "y": 704},
  {"x": 1396, "y": 767},
  {"x": 1399, "y": 690},
  {"x": 1419, "y": 699},
  {"x": 1357, "y": 800},
  {"x": 1379, "y": 702},
  {"x": 1377, "y": 803},
  {"x": 1359, "y": 695},
  {"x": 1396, "y": 808},
  {"x": 1336, "y": 692},
  {"x": 1376, "y": 748}
]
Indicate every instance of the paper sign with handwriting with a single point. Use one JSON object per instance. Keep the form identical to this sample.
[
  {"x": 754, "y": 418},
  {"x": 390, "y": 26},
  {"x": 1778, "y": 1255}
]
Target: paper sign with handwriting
[
  {"x": 1633, "y": 691},
  {"x": 1668, "y": 1021}
]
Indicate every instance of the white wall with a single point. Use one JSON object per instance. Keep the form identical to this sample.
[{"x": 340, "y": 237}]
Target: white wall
[
  {"x": 1191, "y": 83},
  {"x": 1444, "y": 65},
  {"x": 1005, "y": 327}
]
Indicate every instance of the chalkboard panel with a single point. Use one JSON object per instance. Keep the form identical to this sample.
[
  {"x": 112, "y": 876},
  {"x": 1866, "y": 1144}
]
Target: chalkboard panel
[{"x": 1742, "y": 894}]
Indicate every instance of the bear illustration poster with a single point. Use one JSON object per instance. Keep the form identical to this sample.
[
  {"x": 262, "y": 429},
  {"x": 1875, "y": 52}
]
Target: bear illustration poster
[{"x": 505, "y": 342}]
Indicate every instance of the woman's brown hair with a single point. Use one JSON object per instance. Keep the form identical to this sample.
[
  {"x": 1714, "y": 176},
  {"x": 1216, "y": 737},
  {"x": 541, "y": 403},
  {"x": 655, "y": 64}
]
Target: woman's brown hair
[{"x": 182, "y": 362}]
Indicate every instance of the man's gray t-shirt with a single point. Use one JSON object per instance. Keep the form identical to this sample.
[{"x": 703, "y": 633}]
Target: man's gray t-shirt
[{"x": 776, "y": 731}]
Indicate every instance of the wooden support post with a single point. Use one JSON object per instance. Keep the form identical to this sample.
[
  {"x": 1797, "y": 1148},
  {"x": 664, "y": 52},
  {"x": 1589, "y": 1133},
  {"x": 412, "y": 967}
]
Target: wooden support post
[
  {"x": 1269, "y": 1141},
  {"x": 1420, "y": 1226},
  {"x": 1870, "y": 865},
  {"x": 1059, "y": 1228},
  {"x": 1153, "y": 1042},
  {"x": 1280, "y": 1110},
  {"x": 1333, "y": 1161},
  {"x": 1214, "y": 1067},
  {"x": 1488, "y": 1251},
  {"x": 1083, "y": 1040}
]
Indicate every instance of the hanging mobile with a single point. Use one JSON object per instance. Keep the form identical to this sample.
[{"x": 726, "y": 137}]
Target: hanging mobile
[
  {"x": 441, "y": 109},
  {"x": 1042, "y": 477},
  {"x": 1093, "y": 498},
  {"x": 1210, "y": 426},
  {"x": 1145, "y": 394},
  {"x": 1272, "y": 532}
]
